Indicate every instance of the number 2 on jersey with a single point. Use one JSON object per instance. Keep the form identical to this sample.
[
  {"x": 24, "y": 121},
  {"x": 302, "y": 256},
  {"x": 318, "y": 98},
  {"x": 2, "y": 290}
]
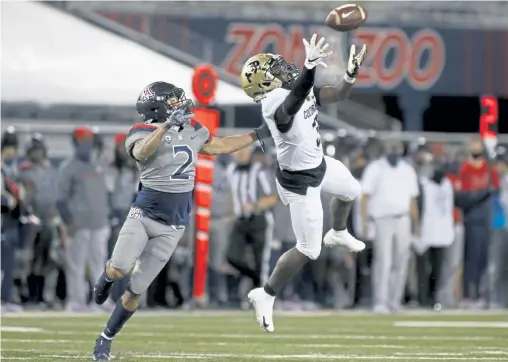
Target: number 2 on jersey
[
  {"x": 179, "y": 174},
  {"x": 315, "y": 125}
]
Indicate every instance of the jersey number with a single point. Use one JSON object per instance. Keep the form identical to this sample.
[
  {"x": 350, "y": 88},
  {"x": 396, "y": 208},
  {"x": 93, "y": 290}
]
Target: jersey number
[
  {"x": 315, "y": 125},
  {"x": 179, "y": 174}
]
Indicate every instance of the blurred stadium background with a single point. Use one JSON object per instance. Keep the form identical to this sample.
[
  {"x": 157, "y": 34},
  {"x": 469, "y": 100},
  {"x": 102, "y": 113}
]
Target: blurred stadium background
[{"x": 436, "y": 78}]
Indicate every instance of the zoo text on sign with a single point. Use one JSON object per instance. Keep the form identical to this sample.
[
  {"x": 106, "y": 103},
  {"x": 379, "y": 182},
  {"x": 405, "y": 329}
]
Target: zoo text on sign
[
  {"x": 406, "y": 62},
  {"x": 407, "y": 57},
  {"x": 249, "y": 39}
]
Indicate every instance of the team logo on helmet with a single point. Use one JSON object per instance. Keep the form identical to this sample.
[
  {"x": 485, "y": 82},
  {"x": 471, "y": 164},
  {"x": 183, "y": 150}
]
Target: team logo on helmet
[{"x": 146, "y": 94}]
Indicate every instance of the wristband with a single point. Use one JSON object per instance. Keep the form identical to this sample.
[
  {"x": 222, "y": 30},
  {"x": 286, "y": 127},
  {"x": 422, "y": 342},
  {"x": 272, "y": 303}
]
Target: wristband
[{"x": 348, "y": 77}]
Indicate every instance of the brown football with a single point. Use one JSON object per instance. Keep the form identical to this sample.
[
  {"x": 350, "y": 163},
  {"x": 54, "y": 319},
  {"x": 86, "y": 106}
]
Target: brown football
[{"x": 346, "y": 17}]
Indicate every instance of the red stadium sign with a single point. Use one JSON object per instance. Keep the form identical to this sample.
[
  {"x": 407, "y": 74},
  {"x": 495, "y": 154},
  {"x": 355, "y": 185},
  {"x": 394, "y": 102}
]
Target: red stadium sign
[{"x": 204, "y": 84}]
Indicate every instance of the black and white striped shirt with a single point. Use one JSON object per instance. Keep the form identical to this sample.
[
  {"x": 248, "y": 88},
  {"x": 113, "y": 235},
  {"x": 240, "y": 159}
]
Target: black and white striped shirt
[{"x": 248, "y": 184}]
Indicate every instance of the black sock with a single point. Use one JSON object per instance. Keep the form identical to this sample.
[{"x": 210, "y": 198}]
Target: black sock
[
  {"x": 118, "y": 318},
  {"x": 340, "y": 211},
  {"x": 269, "y": 290},
  {"x": 288, "y": 265}
]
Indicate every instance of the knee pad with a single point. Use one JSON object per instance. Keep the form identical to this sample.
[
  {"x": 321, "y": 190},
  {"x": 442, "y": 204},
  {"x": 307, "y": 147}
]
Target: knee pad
[
  {"x": 311, "y": 252},
  {"x": 120, "y": 266},
  {"x": 137, "y": 286},
  {"x": 138, "y": 283}
]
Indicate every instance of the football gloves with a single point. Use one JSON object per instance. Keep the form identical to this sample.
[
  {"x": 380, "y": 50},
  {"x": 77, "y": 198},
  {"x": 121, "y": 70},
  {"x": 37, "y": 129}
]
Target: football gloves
[
  {"x": 315, "y": 53},
  {"x": 177, "y": 118},
  {"x": 355, "y": 61}
]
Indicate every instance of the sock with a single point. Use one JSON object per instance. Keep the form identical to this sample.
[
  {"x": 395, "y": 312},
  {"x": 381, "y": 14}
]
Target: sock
[
  {"x": 118, "y": 318},
  {"x": 340, "y": 211},
  {"x": 290, "y": 263}
]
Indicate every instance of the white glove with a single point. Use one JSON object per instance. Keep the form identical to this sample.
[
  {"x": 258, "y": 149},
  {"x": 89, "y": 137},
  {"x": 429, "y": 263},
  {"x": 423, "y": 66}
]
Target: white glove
[
  {"x": 355, "y": 61},
  {"x": 315, "y": 53}
]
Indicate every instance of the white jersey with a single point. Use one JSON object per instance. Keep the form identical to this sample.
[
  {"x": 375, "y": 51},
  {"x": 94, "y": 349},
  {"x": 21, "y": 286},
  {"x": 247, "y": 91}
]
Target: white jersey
[{"x": 300, "y": 148}]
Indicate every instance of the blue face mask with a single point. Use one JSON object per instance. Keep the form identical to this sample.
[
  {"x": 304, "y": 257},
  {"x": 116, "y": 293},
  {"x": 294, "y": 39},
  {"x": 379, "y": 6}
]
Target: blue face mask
[
  {"x": 84, "y": 150},
  {"x": 393, "y": 159},
  {"x": 9, "y": 161}
]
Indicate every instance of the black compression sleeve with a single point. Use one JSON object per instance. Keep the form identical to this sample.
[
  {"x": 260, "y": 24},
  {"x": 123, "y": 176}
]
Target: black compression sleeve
[{"x": 293, "y": 102}]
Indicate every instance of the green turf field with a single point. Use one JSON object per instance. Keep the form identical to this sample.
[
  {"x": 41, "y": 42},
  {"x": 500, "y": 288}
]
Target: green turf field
[{"x": 234, "y": 336}]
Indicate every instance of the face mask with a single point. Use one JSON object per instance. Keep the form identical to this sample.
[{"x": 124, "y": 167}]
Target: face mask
[
  {"x": 393, "y": 159},
  {"x": 37, "y": 156},
  {"x": 476, "y": 155},
  {"x": 438, "y": 176},
  {"x": 84, "y": 150},
  {"x": 9, "y": 161}
]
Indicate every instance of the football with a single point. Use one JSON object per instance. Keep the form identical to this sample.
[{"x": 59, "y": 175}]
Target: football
[{"x": 346, "y": 17}]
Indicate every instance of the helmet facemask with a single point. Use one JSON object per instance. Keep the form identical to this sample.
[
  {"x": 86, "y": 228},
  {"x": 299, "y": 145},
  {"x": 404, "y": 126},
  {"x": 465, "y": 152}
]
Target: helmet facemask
[
  {"x": 283, "y": 70},
  {"x": 265, "y": 72},
  {"x": 176, "y": 99},
  {"x": 159, "y": 100}
]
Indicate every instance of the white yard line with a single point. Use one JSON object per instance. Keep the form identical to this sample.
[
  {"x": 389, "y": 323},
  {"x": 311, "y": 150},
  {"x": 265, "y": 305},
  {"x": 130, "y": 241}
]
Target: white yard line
[
  {"x": 348, "y": 357},
  {"x": 20, "y": 329},
  {"x": 451, "y": 324},
  {"x": 280, "y": 336},
  {"x": 88, "y": 341},
  {"x": 222, "y": 314}
]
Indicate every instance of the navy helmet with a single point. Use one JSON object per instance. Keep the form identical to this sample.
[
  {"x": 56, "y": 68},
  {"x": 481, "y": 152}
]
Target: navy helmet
[{"x": 159, "y": 100}]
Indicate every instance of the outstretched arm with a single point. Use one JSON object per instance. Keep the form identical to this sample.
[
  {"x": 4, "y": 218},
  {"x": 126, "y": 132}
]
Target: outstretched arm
[
  {"x": 145, "y": 147},
  {"x": 338, "y": 92},
  {"x": 230, "y": 144},
  {"x": 341, "y": 90},
  {"x": 284, "y": 115},
  {"x": 300, "y": 89},
  {"x": 142, "y": 148}
]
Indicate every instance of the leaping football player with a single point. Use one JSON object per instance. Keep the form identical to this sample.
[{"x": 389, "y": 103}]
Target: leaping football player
[
  {"x": 289, "y": 103},
  {"x": 165, "y": 148}
]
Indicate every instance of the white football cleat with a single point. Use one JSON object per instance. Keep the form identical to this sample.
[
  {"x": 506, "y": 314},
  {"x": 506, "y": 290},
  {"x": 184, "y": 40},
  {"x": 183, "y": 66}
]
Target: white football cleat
[
  {"x": 343, "y": 238},
  {"x": 263, "y": 306}
]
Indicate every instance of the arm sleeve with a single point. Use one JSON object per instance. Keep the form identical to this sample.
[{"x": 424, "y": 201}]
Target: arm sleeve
[{"x": 300, "y": 90}]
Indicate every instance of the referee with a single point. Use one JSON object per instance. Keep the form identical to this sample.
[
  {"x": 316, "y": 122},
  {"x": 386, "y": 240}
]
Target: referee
[{"x": 253, "y": 197}]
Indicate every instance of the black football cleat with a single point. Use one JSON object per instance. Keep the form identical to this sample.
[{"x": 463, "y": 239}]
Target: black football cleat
[
  {"x": 102, "y": 349},
  {"x": 101, "y": 290}
]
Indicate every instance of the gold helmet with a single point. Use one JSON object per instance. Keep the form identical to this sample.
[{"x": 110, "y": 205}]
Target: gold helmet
[{"x": 265, "y": 72}]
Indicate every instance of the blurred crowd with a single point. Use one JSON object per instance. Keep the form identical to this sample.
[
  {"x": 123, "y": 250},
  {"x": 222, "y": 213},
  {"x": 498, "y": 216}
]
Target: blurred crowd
[{"x": 433, "y": 217}]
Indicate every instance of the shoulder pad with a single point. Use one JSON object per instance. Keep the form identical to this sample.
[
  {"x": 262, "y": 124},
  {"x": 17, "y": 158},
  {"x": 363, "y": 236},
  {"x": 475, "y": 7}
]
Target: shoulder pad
[
  {"x": 195, "y": 124},
  {"x": 273, "y": 100},
  {"x": 142, "y": 127}
]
